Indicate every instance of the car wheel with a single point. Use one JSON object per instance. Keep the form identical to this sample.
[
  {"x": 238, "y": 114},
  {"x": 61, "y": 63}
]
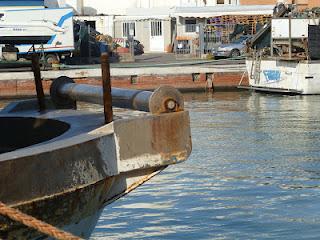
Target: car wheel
[
  {"x": 235, "y": 53},
  {"x": 50, "y": 58}
]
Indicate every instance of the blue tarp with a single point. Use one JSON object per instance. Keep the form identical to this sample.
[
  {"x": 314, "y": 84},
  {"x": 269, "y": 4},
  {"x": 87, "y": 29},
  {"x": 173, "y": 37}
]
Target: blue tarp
[{"x": 4, "y": 3}]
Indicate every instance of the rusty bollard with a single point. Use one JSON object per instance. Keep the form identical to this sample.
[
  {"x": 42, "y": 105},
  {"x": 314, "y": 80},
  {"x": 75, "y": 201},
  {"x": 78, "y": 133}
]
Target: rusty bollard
[
  {"x": 106, "y": 85},
  {"x": 38, "y": 81}
]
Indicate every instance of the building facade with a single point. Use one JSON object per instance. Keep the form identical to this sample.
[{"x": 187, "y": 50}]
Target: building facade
[
  {"x": 149, "y": 21},
  {"x": 156, "y": 24}
]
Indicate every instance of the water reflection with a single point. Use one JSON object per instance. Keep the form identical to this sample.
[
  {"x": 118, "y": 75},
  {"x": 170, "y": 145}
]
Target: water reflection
[
  {"x": 4, "y": 102},
  {"x": 254, "y": 173}
]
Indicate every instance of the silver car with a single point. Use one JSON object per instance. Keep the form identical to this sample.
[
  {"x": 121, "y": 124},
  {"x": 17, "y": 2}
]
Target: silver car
[{"x": 233, "y": 49}]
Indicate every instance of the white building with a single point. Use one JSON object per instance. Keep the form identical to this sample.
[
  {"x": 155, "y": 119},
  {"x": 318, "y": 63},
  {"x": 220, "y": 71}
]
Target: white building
[{"x": 155, "y": 23}]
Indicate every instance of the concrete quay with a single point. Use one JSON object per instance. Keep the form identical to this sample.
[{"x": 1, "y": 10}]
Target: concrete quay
[{"x": 183, "y": 77}]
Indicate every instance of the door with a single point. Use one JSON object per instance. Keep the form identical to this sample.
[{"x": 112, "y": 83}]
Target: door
[{"x": 156, "y": 36}]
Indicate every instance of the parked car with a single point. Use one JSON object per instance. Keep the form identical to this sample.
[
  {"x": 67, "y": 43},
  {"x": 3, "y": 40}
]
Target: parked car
[{"x": 233, "y": 49}]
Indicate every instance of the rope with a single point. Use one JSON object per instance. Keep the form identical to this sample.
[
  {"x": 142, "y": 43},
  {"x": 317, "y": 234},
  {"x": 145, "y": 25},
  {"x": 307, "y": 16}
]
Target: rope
[{"x": 32, "y": 222}]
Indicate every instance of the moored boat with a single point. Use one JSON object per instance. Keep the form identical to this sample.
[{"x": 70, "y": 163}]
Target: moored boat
[
  {"x": 284, "y": 56},
  {"x": 62, "y": 165},
  {"x": 282, "y": 76}
]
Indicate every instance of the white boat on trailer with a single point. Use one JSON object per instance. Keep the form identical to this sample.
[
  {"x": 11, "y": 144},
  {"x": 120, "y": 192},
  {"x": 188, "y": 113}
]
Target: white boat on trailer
[
  {"x": 289, "y": 62},
  {"x": 43, "y": 30}
]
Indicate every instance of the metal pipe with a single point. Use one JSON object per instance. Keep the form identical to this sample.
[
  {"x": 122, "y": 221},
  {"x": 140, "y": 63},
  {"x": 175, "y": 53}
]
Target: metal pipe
[
  {"x": 38, "y": 82},
  {"x": 106, "y": 86},
  {"x": 164, "y": 99}
]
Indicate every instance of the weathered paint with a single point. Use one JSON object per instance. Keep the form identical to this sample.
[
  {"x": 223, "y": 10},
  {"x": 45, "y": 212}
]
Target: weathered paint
[
  {"x": 69, "y": 209},
  {"x": 71, "y": 177}
]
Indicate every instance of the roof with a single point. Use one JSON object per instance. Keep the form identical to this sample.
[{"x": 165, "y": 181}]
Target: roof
[
  {"x": 140, "y": 14},
  {"x": 213, "y": 11},
  {"x": 141, "y": 18},
  {"x": 149, "y": 11}
]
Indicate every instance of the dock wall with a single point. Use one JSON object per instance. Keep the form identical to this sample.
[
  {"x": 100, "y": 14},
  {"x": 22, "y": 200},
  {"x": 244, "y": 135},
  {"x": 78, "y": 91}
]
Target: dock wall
[{"x": 20, "y": 84}]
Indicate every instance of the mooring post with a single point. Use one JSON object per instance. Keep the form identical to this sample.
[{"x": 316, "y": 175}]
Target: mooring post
[
  {"x": 106, "y": 85},
  {"x": 38, "y": 82}
]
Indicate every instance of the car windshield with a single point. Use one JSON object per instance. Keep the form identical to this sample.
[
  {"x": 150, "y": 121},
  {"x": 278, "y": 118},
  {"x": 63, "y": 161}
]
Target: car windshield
[{"x": 241, "y": 39}]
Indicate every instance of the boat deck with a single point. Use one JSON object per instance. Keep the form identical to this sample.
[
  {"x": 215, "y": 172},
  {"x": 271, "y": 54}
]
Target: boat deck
[{"x": 83, "y": 123}]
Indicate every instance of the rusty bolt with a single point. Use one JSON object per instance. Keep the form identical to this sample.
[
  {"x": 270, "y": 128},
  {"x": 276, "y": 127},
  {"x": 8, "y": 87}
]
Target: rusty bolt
[{"x": 170, "y": 104}]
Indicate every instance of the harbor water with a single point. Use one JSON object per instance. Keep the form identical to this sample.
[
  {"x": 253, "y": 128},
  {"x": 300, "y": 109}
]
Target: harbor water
[{"x": 254, "y": 173}]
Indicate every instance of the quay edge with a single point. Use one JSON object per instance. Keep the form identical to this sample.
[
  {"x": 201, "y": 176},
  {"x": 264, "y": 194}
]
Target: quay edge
[{"x": 184, "y": 78}]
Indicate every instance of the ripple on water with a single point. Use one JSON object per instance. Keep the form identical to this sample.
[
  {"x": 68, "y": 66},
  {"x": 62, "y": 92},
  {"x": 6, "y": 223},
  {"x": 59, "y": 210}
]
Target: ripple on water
[{"x": 254, "y": 173}]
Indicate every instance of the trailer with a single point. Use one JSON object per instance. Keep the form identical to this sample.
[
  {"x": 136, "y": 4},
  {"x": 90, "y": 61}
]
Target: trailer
[{"x": 46, "y": 31}]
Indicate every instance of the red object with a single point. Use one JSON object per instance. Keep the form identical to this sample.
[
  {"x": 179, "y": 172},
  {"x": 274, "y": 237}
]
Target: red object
[{"x": 122, "y": 50}]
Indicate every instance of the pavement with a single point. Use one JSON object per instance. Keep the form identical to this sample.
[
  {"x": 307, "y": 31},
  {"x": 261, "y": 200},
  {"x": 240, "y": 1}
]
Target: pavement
[
  {"x": 141, "y": 61},
  {"x": 159, "y": 59}
]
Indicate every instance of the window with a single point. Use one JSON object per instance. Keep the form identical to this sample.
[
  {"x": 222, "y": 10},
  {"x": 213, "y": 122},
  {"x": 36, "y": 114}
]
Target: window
[
  {"x": 220, "y": 1},
  {"x": 156, "y": 28},
  {"x": 190, "y": 25},
  {"x": 91, "y": 24},
  {"x": 128, "y": 28}
]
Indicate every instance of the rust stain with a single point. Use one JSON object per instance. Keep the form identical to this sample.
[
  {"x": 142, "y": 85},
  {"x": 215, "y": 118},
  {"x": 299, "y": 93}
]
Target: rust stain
[
  {"x": 58, "y": 210},
  {"x": 172, "y": 134}
]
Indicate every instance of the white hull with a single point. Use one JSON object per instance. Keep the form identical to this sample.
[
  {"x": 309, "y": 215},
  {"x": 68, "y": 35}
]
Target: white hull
[
  {"x": 51, "y": 30},
  {"x": 284, "y": 76}
]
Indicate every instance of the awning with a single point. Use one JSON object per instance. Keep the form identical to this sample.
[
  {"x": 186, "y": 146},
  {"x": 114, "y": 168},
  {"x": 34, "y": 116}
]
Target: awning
[
  {"x": 143, "y": 14},
  {"x": 141, "y": 18},
  {"x": 214, "y": 11}
]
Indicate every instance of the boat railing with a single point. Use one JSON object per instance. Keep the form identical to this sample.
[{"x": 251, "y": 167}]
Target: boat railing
[
  {"x": 165, "y": 99},
  {"x": 65, "y": 92}
]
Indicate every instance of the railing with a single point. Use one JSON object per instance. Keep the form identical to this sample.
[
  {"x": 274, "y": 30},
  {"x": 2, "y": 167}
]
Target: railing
[{"x": 187, "y": 48}]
